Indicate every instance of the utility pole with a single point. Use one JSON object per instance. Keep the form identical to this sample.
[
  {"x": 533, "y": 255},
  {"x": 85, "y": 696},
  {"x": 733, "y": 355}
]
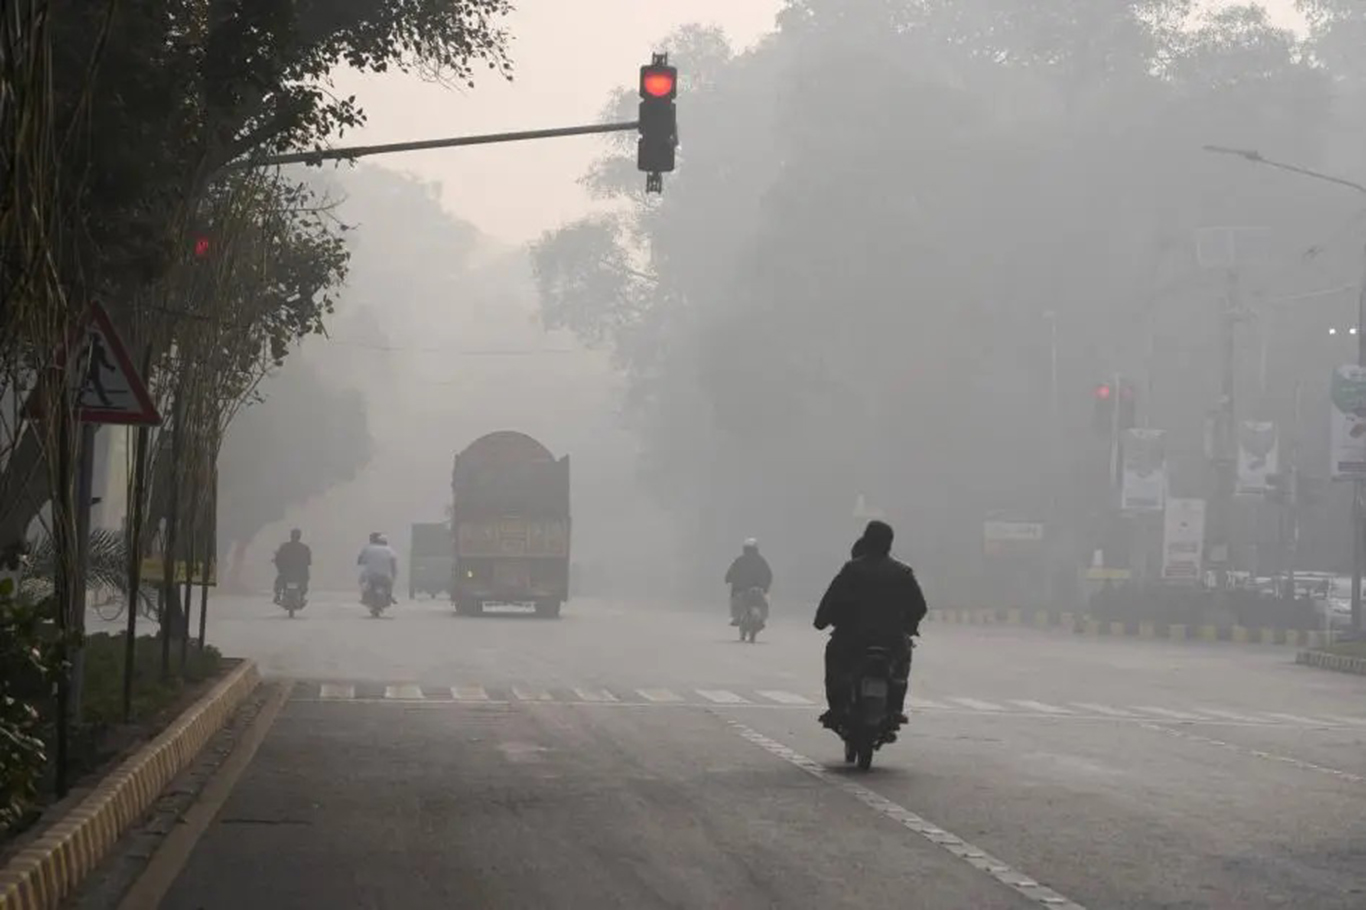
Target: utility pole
[
  {"x": 1225, "y": 438},
  {"x": 1358, "y": 511}
]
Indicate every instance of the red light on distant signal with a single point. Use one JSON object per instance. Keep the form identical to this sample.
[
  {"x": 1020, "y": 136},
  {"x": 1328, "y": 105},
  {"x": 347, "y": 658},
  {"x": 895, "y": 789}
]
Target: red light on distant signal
[
  {"x": 658, "y": 83},
  {"x": 1102, "y": 392},
  {"x": 201, "y": 247}
]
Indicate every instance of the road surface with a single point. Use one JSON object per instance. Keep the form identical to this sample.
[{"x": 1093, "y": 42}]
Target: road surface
[{"x": 632, "y": 758}]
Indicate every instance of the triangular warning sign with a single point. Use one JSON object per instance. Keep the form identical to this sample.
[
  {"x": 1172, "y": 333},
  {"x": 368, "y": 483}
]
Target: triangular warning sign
[{"x": 107, "y": 385}]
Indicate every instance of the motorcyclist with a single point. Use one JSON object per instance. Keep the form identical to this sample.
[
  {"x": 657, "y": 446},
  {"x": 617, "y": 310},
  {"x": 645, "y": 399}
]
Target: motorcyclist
[
  {"x": 379, "y": 563},
  {"x": 875, "y": 600},
  {"x": 749, "y": 570},
  {"x": 292, "y": 562}
]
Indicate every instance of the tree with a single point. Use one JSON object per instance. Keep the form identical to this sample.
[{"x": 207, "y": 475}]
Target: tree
[{"x": 302, "y": 439}]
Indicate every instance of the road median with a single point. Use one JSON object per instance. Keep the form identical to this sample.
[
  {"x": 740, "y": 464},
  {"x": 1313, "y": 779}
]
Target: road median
[
  {"x": 70, "y": 847},
  {"x": 1093, "y": 627}
]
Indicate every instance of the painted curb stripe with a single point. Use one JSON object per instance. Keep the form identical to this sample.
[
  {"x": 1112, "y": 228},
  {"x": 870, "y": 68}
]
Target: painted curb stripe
[
  {"x": 48, "y": 870},
  {"x": 1081, "y": 624}
]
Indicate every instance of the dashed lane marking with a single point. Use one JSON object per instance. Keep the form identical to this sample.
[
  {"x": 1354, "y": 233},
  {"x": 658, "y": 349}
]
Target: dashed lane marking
[
  {"x": 333, "y": 690},
  {"x": 924, "y": 704},
  {"x": 469, "y": 693},
  {"x": 977, "y": 704},
  {"x": 1227, "y": 715},
  {"x": 660, "y": 695},
  {"x": 1102, "y": 709},
  {"x": 785, "y": 698},
  {"x": 978, "y": 859},
  {"x": 1256, "y": 753},
  {"x": 404, "y": 693},
  {"x": 1039, "y": 706},
  {"x": 1167, "y": 712},
  {"x": 522, "y": 694},
  {"x": 722, "y": 697},
  {"x": 1297, "y": 719},
  {"x": 595, "y": 695}
]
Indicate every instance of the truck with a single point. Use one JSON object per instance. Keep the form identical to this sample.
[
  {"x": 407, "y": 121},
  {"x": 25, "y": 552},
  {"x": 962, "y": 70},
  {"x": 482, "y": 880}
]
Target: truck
[
  {"x": 510, "y": 525},
  {"x": 430, "y": 559}
]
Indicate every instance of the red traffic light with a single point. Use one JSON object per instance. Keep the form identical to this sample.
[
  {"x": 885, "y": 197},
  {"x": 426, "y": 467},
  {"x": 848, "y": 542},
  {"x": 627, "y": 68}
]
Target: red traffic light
[
  {"x": 1103, "y": 392},
  {"x": 658, "y": 81},
  {"x": 201, "y": 247}
]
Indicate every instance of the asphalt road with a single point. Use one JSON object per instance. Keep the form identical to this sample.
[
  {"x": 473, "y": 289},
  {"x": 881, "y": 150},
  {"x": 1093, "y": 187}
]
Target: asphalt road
[{"x": 624, "y": 757}]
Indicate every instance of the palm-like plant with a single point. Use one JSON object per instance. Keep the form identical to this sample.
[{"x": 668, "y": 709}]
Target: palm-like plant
[{"x": 106, "y": 566}]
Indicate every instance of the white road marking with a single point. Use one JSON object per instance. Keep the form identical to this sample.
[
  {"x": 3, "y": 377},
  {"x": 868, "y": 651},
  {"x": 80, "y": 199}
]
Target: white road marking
[
  {"x": 978, "y": 859},
  {"x": 469, "y": 693},
  {"x": 1166, "y": 712},
  {"x": 1347, "y": 721},
  {"x": 1258, "y": 753},
  {"x": 1102, "y": 709},
  {"x": 530, "y": 694},
  {"x": 660, "y": 695},
  {"x": 785, "y": 698},
  {"x": 1039, "y": 706},
  {"x": 923, "y": 704},
  {"x": 977, "y": 704},
  {"x": 722, "y": 697},
  {"x": 333, "y": 690},
  {"x": 1227, "y": 715},
  {"x": 595, "y": 695},
  {"x": 406, "y": 693},
  {"x": 1296, "y": 719}
]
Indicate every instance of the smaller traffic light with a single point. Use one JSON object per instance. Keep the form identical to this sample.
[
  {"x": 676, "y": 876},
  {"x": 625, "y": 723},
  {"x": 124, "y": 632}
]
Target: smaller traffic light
[
  {"x": 203, "y": 246},
  {"x": 1103, "y": 410},
  {"x": 1128, "y": 406},
  {"x": 658, "y": 127}
]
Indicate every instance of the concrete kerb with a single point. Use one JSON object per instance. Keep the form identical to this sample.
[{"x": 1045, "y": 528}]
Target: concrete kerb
[
  {"x": 1082, "y": 624},
  {"x": 50, "y": 869},
  {"x": 1340, "y": 663}
]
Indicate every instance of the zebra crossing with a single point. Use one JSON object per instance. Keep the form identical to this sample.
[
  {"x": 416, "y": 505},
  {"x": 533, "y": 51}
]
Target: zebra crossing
[{"x": 738, "y": 697}]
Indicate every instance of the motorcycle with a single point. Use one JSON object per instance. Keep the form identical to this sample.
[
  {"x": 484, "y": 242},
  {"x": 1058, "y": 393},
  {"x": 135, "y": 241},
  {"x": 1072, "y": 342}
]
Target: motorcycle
[
  {"x": 377, "y": 594},
  {"x": 292, "y": 598},
  {"x": 868, "y": 722},
  {"x": 753, "y": 609}
]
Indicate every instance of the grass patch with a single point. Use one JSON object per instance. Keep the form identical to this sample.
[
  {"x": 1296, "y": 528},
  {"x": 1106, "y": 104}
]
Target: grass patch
[
  {"x": 103, "y": 687},
  {"x": 1347, "y": 648}
]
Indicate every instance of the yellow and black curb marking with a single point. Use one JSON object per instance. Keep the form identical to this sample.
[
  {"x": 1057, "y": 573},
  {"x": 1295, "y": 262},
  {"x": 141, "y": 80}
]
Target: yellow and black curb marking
[
  {"x": 49, "y": 869},
  {"x": 1342, "y": 663},
  {"x": 1081, "y": 624}
]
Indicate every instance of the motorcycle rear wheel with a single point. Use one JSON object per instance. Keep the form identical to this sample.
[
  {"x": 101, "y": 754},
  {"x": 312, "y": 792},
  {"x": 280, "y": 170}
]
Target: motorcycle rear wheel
[
  {"x": 865, "y": 756},
  {"x": 850, "y": 753}
]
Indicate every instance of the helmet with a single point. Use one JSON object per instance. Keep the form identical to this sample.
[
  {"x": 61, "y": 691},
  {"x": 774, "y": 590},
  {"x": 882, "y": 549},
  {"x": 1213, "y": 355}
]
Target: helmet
[
  {"x": 751, "y": 544},
  {"x": 381, "y": 540},
  {"x": 375, "y": 536},
  {"x": 295, "y": 534}
]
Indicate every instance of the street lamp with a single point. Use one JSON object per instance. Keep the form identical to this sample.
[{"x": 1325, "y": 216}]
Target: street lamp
[{"x": 1358, "y": 514}]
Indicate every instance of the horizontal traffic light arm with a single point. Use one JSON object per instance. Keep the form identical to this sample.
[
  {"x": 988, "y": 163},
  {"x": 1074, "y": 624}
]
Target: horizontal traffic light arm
[{"x": 362, "y": 151}]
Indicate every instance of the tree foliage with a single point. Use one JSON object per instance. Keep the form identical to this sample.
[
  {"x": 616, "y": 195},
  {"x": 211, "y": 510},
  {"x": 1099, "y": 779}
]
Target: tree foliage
[{"x": 849, "y": 284}]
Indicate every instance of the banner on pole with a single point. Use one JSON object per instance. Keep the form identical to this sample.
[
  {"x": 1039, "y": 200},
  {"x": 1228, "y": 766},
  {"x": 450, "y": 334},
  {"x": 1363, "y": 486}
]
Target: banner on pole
[
  {"x": 1258, "y": 456},
  {"x": 1183, "y": 540},
  {"x": 1144, "y": 482},
  {"x": 1347, "y": 430}
]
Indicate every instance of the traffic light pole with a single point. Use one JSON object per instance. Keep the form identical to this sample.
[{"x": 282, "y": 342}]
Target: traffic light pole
[
  {"x": 1225, "y": 458},
  {"x": 364, "y": 151},
  {"x": 1358, "y": 488}
]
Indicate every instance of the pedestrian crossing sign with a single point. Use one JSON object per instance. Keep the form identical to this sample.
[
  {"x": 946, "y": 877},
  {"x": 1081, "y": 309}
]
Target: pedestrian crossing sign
[{"x": 106, "y": 386}]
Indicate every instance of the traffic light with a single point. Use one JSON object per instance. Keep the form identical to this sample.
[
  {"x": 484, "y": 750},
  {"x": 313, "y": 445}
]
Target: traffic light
[
  {"x": 203, "y": 246},
  {"x": 658, "y": 121},
  {"x": 1103, "y": 410},
  {"x": 1128, "y": 406}
]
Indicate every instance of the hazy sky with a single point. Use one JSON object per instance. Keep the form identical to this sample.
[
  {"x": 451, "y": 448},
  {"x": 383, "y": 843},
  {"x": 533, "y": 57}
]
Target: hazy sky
[{"x": 569, "y": 56}]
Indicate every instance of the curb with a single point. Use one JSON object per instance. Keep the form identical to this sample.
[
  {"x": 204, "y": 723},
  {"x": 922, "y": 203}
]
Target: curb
[
  {"x": 1339, "y": 663},
  {"x": 49, "y": 869},
  {"x": 1083, "y": 624}
]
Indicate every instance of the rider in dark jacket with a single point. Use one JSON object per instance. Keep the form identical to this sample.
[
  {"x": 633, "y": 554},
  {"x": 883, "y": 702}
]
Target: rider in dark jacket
[
  {"x": 875, "y": 600},
  {"x": 749, "y": 570},
  {"x": 292, "y": 562}
]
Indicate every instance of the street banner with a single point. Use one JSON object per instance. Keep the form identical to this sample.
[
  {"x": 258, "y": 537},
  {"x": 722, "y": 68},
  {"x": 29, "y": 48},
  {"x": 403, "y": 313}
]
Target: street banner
[
  {"x": 1002, "y": 537},
  {"x": 1144, "y": 485},
  {"x": 1258, "y": 456},
  {"x": 1183, "y": 540},
  {"x": 1347, "y": 423}
]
